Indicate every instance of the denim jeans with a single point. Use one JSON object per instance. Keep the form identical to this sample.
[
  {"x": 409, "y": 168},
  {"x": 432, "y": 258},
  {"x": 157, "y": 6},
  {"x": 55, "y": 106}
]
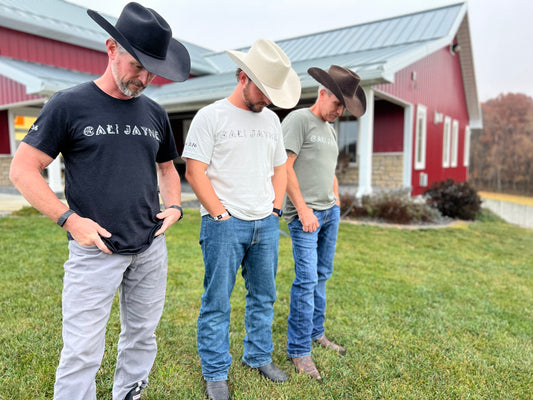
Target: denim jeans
[
  {"x": 226, "y": 245},
  {"x": 313, "y": 254}
]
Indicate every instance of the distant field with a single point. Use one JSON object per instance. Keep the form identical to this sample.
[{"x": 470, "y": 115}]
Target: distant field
[{"x": 528, "y": 201}]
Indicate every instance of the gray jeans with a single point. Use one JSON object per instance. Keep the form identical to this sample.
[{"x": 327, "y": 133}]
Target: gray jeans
[{"x": 90, "y": 283}]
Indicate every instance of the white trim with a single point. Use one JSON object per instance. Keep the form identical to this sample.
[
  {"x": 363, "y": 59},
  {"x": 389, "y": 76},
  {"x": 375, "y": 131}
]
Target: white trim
[
  {"x": 407, "y": 145},
  {"x": 446, "y": 132},
  {"x": 455, "y": 143},
  {"x": 11, "y": 132},
  {"x": 366, "y": 140},
  {"x": 466, "y": 155},
  {"x": 420, "y": 137}
]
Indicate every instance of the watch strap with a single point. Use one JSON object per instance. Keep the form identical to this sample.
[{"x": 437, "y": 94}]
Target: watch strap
[
  {"x": 177, "y": 208},
  {"x": 63, "y": 218},
  {"x": 219, "y": 217}
]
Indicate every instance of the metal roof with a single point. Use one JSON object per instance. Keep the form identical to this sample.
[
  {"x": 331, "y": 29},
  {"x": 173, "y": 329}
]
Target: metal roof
[
  {"x": 375, "y": 50},
  {"x": 69, "y": 23},
  {"x": 42, "y": 80}
]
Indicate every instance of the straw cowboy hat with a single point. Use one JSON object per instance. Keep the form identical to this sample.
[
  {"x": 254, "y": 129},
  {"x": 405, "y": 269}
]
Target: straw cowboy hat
[
  {"x": 270, "y": 69},
  {"x": 344, "y": 84},
  {"x": 148, "y": 38}
]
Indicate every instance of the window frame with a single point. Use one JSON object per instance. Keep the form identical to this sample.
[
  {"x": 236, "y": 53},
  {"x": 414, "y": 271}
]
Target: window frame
[
  {"x": 446, "y": 142},
  {"x": 420, "y": 137}
]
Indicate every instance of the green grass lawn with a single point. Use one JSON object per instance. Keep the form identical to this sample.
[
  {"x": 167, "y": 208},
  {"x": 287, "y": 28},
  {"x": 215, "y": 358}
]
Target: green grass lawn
[{"x": 424, "y": 314}]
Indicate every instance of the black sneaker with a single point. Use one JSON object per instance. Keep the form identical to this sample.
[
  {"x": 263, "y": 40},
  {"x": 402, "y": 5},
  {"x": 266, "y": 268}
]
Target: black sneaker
[{"x": 135, "y": 393}]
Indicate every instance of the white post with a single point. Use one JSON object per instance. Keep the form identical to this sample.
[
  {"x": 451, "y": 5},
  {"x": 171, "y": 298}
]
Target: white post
[
  {"x": 54, "y": 176},
  {"x": 366, "y": 142},
  {"x": 408, "y": 124}
]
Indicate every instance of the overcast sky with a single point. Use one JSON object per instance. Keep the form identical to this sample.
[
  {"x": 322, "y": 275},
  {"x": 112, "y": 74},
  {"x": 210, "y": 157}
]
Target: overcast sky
[{"x": 501, "y": 31}]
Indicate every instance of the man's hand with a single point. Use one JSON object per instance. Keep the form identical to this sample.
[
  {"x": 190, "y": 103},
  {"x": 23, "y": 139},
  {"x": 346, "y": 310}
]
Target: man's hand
[
  {"x": 87, "y": 232},
  {"x": 169, "y": 217},
  {"x": 308, "y": 219}
]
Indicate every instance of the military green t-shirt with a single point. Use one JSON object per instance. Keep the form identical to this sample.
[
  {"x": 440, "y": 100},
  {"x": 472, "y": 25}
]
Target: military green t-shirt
[{"x": 315, "y": 143}]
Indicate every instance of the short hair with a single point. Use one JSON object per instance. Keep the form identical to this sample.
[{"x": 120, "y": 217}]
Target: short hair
[
  {"x": 120, "y": 49},
  {"x": 237, "y": 73},
  {"x": 328, "y": 92}
]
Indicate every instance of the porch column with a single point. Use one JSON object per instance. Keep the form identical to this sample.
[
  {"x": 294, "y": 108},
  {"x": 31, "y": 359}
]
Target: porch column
[
  {"x": 54, "y": 176},
  {"x": 365, "y": 145},
  {"x": 408, "y": 125}
]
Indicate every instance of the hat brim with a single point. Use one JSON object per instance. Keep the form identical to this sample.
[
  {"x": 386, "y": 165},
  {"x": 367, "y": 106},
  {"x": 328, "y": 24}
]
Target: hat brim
[
  {"x": 287, "y": 96},
  {"x": 175, "y": 66},
  {"x": 355, "y": 105}
]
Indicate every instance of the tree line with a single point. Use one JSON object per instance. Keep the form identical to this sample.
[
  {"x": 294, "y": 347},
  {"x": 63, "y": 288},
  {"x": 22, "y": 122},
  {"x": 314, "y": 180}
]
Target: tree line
[{"x": 501, "y": 155}]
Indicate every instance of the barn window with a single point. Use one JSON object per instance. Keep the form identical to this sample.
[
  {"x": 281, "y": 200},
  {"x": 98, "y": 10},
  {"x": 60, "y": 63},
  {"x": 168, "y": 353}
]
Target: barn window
[
  {"x": 466, "y": 156},
  {"x": 455, "y": 143},
  {"x": 420, "y": 138},
  {"x": 446, "y": 142}
]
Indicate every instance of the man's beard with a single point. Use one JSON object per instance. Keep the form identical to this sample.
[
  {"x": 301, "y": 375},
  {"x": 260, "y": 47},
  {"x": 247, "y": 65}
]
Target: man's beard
[
  {"x": 124, "y": 86},
  {"x": 254, "y": 107}
]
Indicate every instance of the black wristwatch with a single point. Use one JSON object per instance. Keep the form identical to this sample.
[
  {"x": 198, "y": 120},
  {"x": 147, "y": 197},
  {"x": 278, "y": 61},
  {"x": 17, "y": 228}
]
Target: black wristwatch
[
  {"x": 178, "y": 208},
  {"x": 277, "y": 211}
]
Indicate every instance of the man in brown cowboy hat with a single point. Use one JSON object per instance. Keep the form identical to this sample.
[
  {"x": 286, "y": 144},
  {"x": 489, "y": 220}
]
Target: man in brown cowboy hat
[
  {"x": 312, "y": 207},
  {"x": 118, "y": 147},
  {"x": 236, "y": 165}
]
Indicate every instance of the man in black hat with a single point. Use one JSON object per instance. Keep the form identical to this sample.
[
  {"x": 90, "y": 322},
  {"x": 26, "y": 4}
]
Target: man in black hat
[
  {"x": 312, "y": 207},
  {"x": 117, "y": 145}
]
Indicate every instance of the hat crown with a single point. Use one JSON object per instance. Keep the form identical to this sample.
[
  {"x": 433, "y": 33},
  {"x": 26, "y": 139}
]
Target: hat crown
[
  {"x": 344, "y": 84},
  {"x": 145, "y": 30},
  {"x": 269, "y": 63},
  {"x": 347, "y": 80}
]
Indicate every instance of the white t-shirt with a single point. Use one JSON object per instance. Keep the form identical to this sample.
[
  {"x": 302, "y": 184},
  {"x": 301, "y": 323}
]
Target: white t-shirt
[{"x": 241, "y": 149}]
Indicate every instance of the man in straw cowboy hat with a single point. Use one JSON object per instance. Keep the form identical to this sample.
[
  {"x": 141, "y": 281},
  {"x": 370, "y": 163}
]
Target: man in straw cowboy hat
[
  {"x": 116, "y": 143},
  {"x": 236, "y": 166},
  {"x": 312, "y": 207}
]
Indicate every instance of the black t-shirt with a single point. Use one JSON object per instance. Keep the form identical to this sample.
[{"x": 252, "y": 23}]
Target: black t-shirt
[{"x": 110, "y": 148}]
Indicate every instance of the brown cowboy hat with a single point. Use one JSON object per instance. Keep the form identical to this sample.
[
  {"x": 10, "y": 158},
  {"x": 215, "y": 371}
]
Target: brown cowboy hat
[
  {"x": 344, "y": 84},
  {"x": 148, "y": 38}
]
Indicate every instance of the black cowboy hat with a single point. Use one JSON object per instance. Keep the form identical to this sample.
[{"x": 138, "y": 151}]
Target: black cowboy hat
[
  {"x": 344, "y": 84},
  {"x": 148, "y": 38}
]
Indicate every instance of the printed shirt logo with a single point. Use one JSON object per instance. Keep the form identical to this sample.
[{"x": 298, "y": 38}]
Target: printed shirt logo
[
  {"x": 115, "y": 129},
  {"x": 243, "y": 133},
  {"x": 323, "y": 140}
]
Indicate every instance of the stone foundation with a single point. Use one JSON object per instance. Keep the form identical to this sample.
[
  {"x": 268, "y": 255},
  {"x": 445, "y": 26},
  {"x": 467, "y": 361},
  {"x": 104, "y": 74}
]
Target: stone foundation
[{"x": 387, "y": 171}]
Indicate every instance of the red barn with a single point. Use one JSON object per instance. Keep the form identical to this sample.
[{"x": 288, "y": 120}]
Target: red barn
[{"x": 417, "y": 71}]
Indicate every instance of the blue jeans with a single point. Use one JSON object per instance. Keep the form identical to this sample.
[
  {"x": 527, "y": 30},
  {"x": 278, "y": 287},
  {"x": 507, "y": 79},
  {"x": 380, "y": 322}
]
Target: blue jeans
[
  {"x": 313, "y": 254},
  {"x": 226, "y": 245}
]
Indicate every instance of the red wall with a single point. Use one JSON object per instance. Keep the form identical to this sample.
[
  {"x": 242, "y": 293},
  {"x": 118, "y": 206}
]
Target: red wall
[
  {"x": 438, "y": 86},
  {"x": 4, "y": 133},
  {"x": 388, "y": 127},
  {"x": 28, "y": 47}
]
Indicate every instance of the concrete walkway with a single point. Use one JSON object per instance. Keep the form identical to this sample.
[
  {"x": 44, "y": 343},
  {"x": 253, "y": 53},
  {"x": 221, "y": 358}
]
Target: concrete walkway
[{"x": 12, "y": 201}]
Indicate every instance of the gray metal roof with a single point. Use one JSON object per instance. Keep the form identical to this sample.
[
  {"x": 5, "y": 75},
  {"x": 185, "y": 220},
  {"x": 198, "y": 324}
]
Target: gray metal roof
[
  {"x": 69, "y": 23},
  {"x": 375, "y": 50},
  {"x": 42, "y": 80}
]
